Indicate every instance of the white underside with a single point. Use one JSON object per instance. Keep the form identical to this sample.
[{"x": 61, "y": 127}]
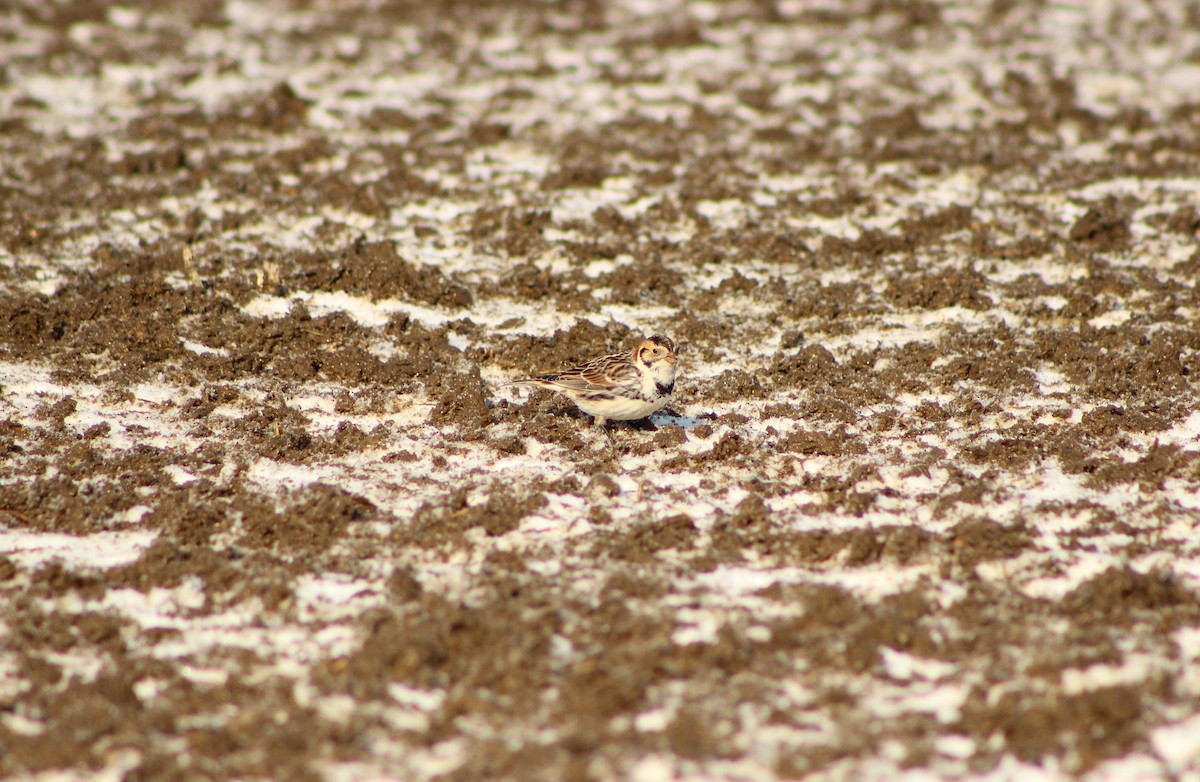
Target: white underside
[{"x": 621, "y": 409}]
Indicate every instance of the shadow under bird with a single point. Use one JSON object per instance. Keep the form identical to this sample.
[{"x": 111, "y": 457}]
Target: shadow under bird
[{"x": 621, "y": 386}]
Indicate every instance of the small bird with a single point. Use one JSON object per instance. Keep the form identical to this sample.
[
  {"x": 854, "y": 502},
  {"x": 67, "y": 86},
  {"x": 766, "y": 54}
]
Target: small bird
[{"x": 619, "y": 387}]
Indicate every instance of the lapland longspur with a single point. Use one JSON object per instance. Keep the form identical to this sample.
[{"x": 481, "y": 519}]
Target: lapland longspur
[{"x": 619, "y": 387}]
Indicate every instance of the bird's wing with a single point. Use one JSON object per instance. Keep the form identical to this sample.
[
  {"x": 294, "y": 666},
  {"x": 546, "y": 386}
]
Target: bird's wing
[{"x": 614, "y": 374}]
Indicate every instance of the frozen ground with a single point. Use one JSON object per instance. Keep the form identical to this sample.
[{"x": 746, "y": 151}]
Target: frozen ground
[{"x": 927, "y": 503}]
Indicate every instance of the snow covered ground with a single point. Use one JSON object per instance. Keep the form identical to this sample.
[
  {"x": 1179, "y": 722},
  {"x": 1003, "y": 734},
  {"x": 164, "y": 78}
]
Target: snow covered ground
[{"x": 925, "y": 506}]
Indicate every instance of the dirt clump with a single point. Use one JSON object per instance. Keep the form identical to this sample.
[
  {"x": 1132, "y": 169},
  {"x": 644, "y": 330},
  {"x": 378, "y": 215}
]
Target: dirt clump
[
  {"x": 375, "y": 269},
  {"x": 1104, "y": 227}
]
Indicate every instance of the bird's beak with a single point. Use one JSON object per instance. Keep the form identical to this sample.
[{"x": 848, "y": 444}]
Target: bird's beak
[{"x": 670, "y": 358}]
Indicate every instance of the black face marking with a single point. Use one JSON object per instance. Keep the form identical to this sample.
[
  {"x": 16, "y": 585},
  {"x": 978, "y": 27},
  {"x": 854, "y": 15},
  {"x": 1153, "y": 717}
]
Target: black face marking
[
  {"x": 644, "y": 357},
  {"x": 664, "y": 388},
  {"x": 662, "y": 341}
]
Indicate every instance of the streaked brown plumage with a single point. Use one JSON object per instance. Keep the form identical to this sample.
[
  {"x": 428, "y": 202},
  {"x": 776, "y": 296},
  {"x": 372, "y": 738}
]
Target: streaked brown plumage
[{"x": 619, "y": 387}]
